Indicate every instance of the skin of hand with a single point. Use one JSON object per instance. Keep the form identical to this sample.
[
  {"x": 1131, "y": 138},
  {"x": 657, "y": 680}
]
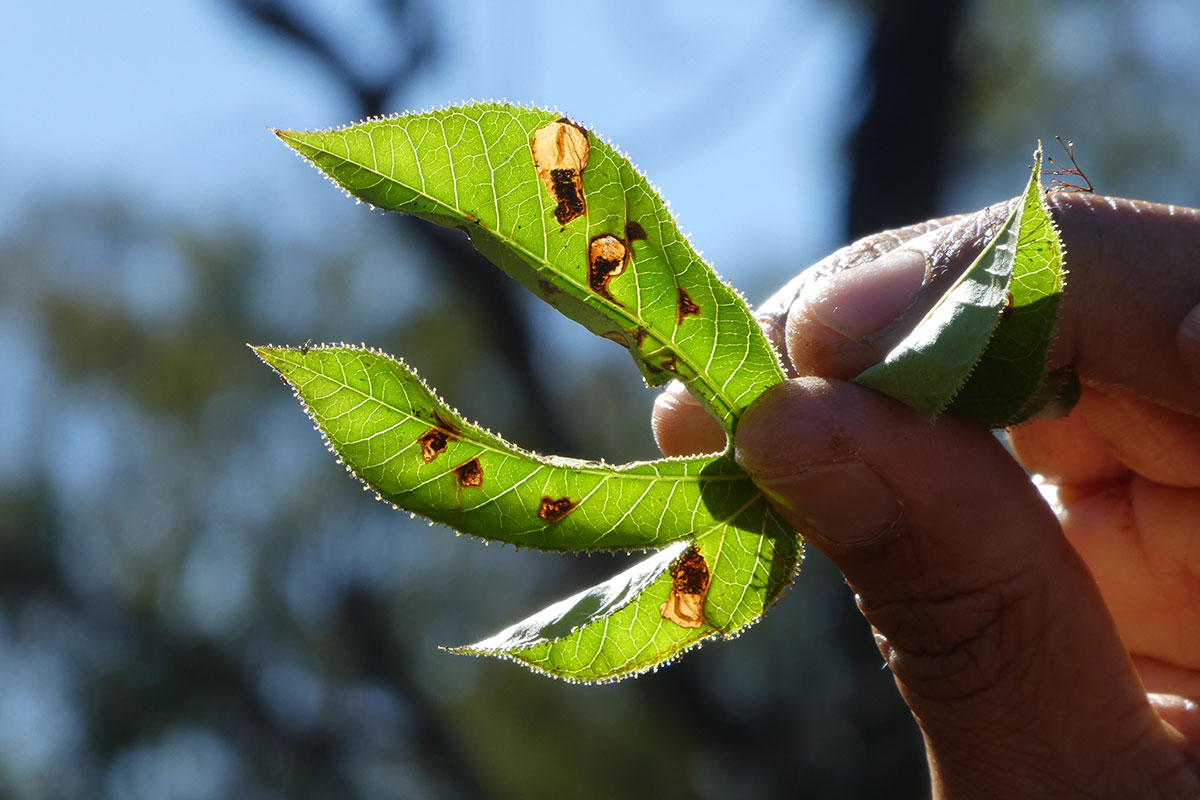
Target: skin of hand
[{"x": 1044, "y": 652}]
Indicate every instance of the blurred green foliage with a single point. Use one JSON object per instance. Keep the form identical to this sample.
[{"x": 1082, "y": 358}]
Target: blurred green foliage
[{"x": 195, "y": 602}]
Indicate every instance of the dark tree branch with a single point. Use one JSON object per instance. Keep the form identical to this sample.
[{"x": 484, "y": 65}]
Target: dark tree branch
[
  {"x": 898, "y": 150},
  {"x": 415, "y": 49},
  {"x": 492, "y": 295},
  {"x": 899, "y": 162}
]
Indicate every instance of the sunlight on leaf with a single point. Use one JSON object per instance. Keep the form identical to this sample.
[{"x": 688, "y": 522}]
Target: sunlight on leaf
[
  {"x": 563, "y": 212},
  {"x": 981, "y": 349},
  {"x": 405, "y": 443},
  {"x": 569, "y": 217}
]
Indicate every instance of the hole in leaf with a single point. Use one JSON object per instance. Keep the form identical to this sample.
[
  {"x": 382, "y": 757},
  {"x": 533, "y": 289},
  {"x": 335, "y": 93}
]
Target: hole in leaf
[
  {"x": 689, "y": 587},
  {"x": 560, "y": 154}
]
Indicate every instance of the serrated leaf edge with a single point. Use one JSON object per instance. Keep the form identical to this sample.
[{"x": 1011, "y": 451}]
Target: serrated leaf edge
[
  {"x": 581, "y": 465},
  {"x": 643, "y": 666}
]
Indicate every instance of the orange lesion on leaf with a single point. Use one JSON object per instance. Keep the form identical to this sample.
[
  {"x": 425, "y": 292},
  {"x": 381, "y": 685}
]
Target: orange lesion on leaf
[
  {"x": 689, "y": 588},
  {"x": 607, "y": 256},
  {"x": 685, "y": 305},
  {"x": 433, "y": 443},
  {"x": 560, "y": 154},
  {"x": 551, "y": 510},
  {"x": 469, "y": 474}
]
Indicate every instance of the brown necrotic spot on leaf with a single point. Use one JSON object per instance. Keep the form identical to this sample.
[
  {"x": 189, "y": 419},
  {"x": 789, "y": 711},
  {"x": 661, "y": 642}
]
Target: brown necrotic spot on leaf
[
  {"x": 634, "y": 232},
  {"x": 618, "y": 337},
  {"x": 668, "y": 363},
  {"x": 469, "y": 474},
  {"x": 552, "y": 510},
  {"x": 560, "y": 154},
  {"x": 638, "y": 334},
  {"x": 689, "y": 587},
  {"x": 606, "y": 260},
  {"x": 433, "y": 443},
  {"x": 445, "y": 424},
  {"x": 548, "y": 288},
  {"x": 686, "y": 306}
]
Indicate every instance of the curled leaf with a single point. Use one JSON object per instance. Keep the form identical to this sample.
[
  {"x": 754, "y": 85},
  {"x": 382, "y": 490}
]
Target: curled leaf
[{"x": 981, "y": 350}]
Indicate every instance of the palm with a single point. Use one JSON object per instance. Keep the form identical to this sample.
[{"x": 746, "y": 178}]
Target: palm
[{"x": 1126, "y": 479}]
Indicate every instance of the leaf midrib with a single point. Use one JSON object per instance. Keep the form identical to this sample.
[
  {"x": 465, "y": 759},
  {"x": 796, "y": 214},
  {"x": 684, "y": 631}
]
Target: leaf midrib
[
  {"x": 591, "y": 468},
  {"x": 730, "y": 411}
]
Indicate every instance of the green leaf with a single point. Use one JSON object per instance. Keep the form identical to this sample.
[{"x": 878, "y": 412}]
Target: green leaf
[
  {"x": 1008, "y": 385},
  {"x": 393, "y": 433},
  {"x": 564, "y": 213},
  {"x": 573, "y": 220},
  {"x": 981, "y": 350}
]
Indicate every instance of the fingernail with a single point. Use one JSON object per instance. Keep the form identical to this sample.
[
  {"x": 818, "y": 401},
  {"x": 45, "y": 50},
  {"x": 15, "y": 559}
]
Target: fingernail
[
  {"x": 858, "y": 301},
  {"x": 846, "y": 502}
]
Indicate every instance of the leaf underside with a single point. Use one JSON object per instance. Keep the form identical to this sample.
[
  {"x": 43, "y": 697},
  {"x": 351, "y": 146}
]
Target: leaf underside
[
  {"x": 405, "y": 443},
  {"x": 564, "y": 213},
  {"x": 569, "y": 217},
  {"x": 981, "y": 350}
]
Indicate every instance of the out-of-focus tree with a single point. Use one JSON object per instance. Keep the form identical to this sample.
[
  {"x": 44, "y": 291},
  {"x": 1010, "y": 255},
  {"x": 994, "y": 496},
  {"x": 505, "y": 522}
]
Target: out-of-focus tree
[{"x": 196, "y": 602}]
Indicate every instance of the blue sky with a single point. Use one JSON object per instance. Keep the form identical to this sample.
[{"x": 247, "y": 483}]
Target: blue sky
[{"x": 168, "y": 102}]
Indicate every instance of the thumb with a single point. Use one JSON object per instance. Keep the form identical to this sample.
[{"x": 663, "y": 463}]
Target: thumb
[{"x": 995, "y": 632}]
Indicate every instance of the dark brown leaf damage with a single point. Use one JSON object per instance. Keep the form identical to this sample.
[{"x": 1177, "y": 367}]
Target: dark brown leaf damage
[
  {"x": 689, "y": 587},
  {"x": 607, "y": 256},
  {"x": 433, "y": 443},
  {"x": 686, "y": 306},
  {"x": 560, "y": 154},
  {"x": 634, "y": 232},
  {"x": 552, "y": 510},
  {"x": 470, "y": 474}
]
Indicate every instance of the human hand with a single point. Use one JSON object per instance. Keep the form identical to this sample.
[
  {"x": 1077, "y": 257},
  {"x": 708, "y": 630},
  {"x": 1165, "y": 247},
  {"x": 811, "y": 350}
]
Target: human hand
[{"x": 1025, "y": 643}]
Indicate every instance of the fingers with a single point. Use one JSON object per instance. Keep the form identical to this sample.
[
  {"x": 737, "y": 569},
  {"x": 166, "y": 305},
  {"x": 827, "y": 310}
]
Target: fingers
[
  {"x": 1155, "y": 442},
  {"x": 1110, "y": 435},
  {"x": 995, "y": 631},
  {"x": 1130, "y": 316},
  {"x": 1067, "y": 451},
  {"x": 851, "y": 308},
  {"x": 1135, "y": 539},
  {"x": 681, "y": 425},
  {"x": 874, "y": 288},
  {"x": 1133, "y": 282}
]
